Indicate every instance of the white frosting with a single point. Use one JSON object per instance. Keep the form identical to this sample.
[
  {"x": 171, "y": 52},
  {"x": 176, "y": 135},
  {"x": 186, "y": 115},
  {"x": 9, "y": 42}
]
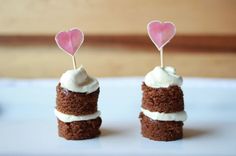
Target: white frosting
[
  {"x": 177, "y": 116},
  {"x": 79, "y": 81},
  {"x": 163, "y": 77},
  {"x": 70, "y": 118}
]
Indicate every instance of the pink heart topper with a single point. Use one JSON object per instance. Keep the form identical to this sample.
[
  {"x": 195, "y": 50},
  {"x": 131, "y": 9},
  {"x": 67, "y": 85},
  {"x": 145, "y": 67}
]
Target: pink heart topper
[
  {"x": 161, "y": 33},
  {"x": 70, "y": 41}
]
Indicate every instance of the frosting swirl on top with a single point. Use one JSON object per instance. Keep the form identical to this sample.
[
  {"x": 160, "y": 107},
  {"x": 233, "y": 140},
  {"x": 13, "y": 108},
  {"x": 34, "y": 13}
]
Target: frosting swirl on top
[
  {"x": 79, "y": 81},
  {"x": 163, "y": 77}
]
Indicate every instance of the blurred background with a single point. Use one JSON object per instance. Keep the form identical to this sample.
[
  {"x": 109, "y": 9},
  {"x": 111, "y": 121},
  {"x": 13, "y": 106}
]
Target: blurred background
[{"x": 116, "y": 41}]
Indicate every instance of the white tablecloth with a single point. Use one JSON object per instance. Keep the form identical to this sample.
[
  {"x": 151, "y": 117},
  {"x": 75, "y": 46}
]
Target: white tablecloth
[{"x": 28, "y": 125}]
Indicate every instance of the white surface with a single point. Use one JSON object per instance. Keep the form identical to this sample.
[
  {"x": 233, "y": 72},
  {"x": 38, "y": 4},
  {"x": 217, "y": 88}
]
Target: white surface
[{"x": 28, "y": 124}]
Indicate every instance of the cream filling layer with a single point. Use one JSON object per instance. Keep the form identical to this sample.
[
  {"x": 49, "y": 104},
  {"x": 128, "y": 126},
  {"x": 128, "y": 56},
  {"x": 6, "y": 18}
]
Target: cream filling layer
[
  {"x": 70, "y": 118},
  {"x": 177, "y": 116}
]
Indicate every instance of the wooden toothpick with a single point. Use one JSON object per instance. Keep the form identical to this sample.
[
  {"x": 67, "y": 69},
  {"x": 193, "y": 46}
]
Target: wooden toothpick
[
  {"x": 161, "y": 57},
  {"x": 161, "y": 33},
  {"x": 74, "y": 62},
  {"x": 70, "y": 41}
]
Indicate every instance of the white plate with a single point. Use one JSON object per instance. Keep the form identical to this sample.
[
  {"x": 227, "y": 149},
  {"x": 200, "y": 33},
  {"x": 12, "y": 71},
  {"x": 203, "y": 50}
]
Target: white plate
[{"x": 28, "y": 125}]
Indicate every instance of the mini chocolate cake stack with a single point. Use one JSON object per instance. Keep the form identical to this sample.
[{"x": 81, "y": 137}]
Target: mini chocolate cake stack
[
  {"x": 76, "y": 105},
  {"x": 162, "y": 113}
]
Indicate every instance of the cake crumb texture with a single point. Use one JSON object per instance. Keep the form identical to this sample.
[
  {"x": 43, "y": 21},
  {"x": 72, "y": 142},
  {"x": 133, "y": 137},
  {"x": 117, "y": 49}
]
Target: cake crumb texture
[
  {"x": 167, "y": 100},
  {"x": 79, "y": 130},
  {"x": 161, "y": 130},
  {"x": 73, "y": 103}
]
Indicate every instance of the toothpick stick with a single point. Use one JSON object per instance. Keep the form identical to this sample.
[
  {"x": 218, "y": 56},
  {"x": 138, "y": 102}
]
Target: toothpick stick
[
  {"x": 74, "y": 61},
  {"x": 161, "y": 33},
  {"x": 70, "y": 41},
  {"x": 161, "y": 57}
]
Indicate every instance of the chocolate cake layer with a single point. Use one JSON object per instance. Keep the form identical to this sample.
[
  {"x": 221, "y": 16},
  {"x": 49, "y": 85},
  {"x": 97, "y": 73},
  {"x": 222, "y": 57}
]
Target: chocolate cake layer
[
  {"x": 79, "y": 130},
  {"x": 166, "y": 100},
  {"x": 161, "y": 130},
  {"x": 74, "y": 103}
]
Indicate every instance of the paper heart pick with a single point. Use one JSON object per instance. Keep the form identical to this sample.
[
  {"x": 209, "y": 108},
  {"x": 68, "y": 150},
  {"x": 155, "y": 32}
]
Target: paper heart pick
[
  {"x": 70, "y": 41},
  {"x": 161, "y": 33}
]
